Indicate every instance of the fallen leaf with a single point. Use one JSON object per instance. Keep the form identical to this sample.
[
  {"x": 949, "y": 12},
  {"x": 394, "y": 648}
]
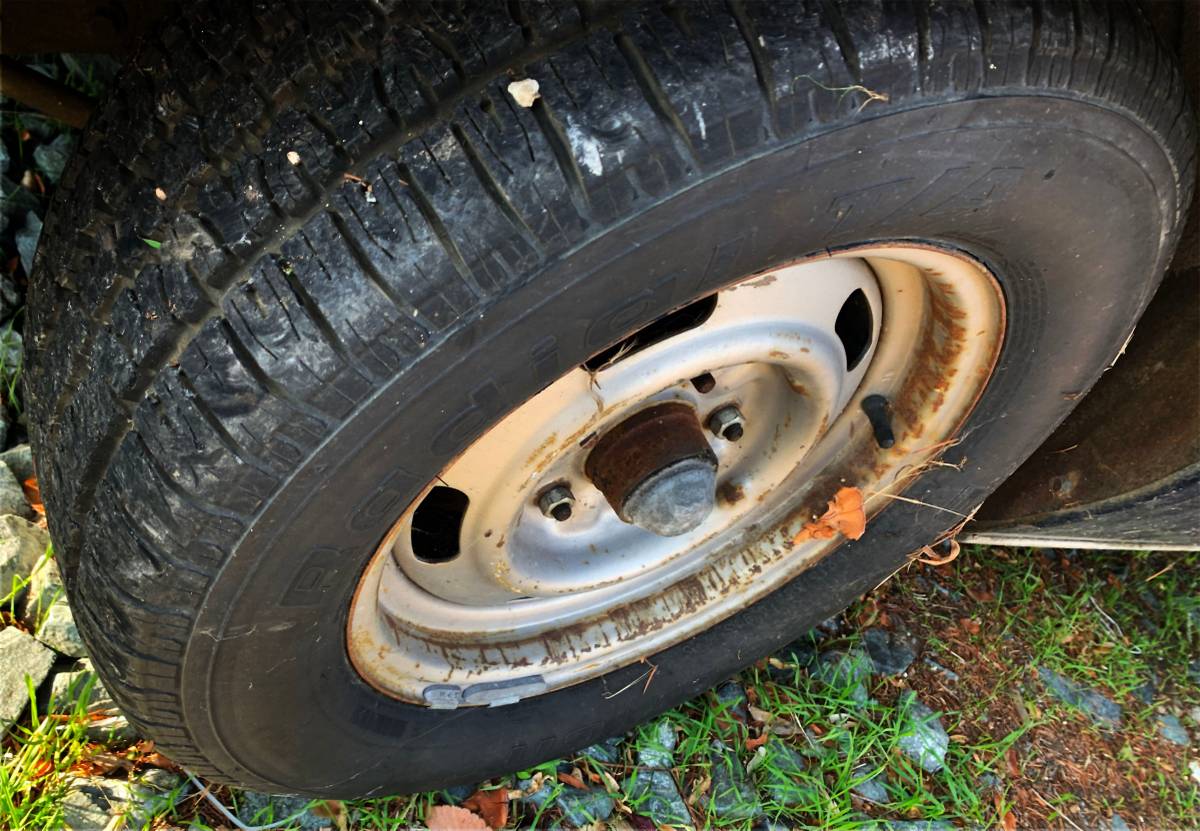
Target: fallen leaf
[
  {"x": 332, "y": 809},
  {"x": 33, "y": 495},
  {"x": 845, "y": 515},
  {"x": 573, "y": 781},
  {"x": 451, "y": 818},
  {"x": 40, "y": 769},
  {"x": 491, "y": 805},
  {"x": 761, "y": 716},
  {"x": 757, "y": 742},
  {"x": 524, "y": 92}
]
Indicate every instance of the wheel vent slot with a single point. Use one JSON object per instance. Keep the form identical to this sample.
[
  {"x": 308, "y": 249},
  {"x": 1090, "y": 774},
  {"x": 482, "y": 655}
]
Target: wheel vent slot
[
  {"x": 854, "y": 325},
  {"x": 437, "y": 523},
  {"x": 669, "y": 325}
]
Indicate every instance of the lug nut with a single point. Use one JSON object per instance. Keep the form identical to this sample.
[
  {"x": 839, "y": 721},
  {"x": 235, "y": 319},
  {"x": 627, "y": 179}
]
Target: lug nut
[
  {"x": 556, "y": 501},
  {"x": 727, "y": 422}
]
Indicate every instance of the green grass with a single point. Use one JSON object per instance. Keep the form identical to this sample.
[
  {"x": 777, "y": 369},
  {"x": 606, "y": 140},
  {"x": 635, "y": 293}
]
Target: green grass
[{"x": 1108, "y": 621}]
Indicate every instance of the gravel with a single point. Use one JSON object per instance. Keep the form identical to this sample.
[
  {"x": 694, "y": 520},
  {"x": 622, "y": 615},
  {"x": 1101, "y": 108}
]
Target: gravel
[
  {"x": 656, "y": 746},
  {"x": 847, "y": 670},
  {"x": 923, "y": 739},
  {"x": 1103, "y": 711},
  {"x": 21, "y": 657},
  {"x": 12, "y": 495},
  {"x": 731, "y": 796},
  {"x": 44, "y": 590},
  {"x": 891, "y": 653},
  {"x": 58, "y": 631},
  {"x": 582, "y": 808},
  {"x": 1170, "y": 729},
  {"x": 19, "y": 460},
  {"x": 22, "y": 544},
  {"x": 654, "y": 794}
]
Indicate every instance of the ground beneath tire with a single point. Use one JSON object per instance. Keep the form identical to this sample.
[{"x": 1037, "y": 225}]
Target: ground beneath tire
[{"x": 1007, "y": 689}]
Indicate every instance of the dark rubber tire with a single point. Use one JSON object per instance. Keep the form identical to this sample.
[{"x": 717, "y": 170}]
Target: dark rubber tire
[{"x": 227, "y": 424}]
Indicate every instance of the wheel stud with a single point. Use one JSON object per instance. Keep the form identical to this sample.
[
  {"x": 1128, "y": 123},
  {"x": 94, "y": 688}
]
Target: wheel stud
[
  {"x": 728, "y": 423},
  {"x": 879, "y": 413},
  {"x": 556, "y": 501}
]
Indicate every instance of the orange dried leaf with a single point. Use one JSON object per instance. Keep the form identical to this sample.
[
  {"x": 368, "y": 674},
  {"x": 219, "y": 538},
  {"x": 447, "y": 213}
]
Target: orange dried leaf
[
  {"x": 491, "y": 805},
  {"x": 451, "y": 818},
  {"x": 845, "y": 516},
  {"x": 756, "y": 743},
  {"x": 573, "y": 781},
  {"x": 40, "y": 768},
  {"x": 33, "y": 495}
]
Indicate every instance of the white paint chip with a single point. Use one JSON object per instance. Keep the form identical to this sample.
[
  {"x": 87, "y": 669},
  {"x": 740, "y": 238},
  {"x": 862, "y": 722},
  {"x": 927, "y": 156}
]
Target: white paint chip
[
  {"x": 524, "y": 92},
  {"x": 293, "y": 157}
]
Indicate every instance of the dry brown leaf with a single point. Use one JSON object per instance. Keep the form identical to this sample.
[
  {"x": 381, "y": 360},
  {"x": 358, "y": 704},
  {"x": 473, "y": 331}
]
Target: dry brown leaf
[
  {"x": 452, "y": 818},
  {"x": 845, "y": 515},
  {"x": 33, "y": 495},
  {"x": 757, "y": 742},
  {"x": 491, "y": 805},
  {"x": 573, "y": 781},
  {"x": 332, "y": 809}
]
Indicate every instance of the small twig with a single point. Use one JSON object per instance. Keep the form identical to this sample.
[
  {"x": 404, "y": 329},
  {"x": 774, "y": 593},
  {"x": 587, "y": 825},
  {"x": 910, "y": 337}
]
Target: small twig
[
  {"x": 932, "y": 559},
  {"x": 918, "y": 502},
  {"x": 650, "y": 672},
  {"x": 1161, "y": 571},
  {"x": 871, "y": 94},
  {"x": 225, "y": 812},
  {"x": 1062, "y": 814}
]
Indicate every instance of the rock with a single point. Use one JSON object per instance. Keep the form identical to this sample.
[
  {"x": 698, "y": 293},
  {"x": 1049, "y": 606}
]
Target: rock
[
  {"x": 731, "y": 699},
  {"x": 1171, "y": 730},
  {"x": 90, "y": 803},
  {"x": 12, "y": 495},
  {"x": 22, "y": 544},
  {"x": 915, "y": 825},
  {"x": 21, "y": 657},
  {"x": 1145, "y": 692},
  {"x": 44, "y": 590},
  {"x": 797, "y": 655},
  {"x": 849, "y": 671},
  {"x": 656, "y": 745},
  {"x": 653, "y": 794},
  {"x": 457, "y": 794},
  {"x": 539, "y": 798},
  {"x": 891, "y": 653},
  {"x": 948, "y": 673},
  {"x": 607, "y": 751},
  {"x": 67, "y": 688},
  {"x": 27, "y": 241},
  {"x": 19, "y": 460},
  {"x": 152, "y": 794},
  {"x": 59, "y": 632},
  {"x": 871, "y": 787},
  {"x": 255, "y": 808},
  {"x": 582, "y": 808},
  {"x": 1101, "y": 710},
  {"x": 1117, "y": 823},
  {"x": 781, "y": 774},
  {"x": 52, "y": 158},
  {"x": 731, "y": 796},
  {"x": 112, "y": 727},
  {"x": 923, "y": 739},
  {"x": 11, "y": 297}
]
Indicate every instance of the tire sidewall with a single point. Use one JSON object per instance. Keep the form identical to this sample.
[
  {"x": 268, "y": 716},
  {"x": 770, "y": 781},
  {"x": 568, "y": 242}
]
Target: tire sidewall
[{"x": 1067, "y": 218}]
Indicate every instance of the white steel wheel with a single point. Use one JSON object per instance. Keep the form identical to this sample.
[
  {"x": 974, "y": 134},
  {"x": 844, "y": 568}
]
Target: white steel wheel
[{"x": 666, "y": 483}]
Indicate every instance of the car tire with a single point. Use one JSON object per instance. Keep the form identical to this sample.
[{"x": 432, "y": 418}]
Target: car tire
[{"x": 302, "y": 249}]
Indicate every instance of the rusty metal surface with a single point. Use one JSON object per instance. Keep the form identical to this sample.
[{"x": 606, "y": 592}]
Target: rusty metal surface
[{"x": 642, "y": 445}]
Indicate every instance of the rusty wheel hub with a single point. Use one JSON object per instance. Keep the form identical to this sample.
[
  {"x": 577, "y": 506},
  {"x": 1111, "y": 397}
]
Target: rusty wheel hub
[
  {"x": 661, "y": 486},
  {"x": 656, "y": 470}
]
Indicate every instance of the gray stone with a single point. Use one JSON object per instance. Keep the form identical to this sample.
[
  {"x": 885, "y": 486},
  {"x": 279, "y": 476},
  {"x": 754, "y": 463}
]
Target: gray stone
[
  {"x": 90, "y": 803},
  {"x": 922, "y": 739},
  {"x": 582, "y": 808},
  {"x": 14, "y": 199},
  {"x": 607, "y": 751},
  {"x": 656, "y": 745},
  {"x": 849, "y": 670},
  {"x": 44, "y": 590},
  {"x": 780, "y": 776},
  {"x": 731, "y": 796},
  {"x": 67, "y": 688},
  {"x": 1117, "y": 823},
  {"x": 891, "y": 653},
  {"x": 653, "y": 794},
  {"x": 948, "y": 673},
  {"x": 21, "y": 658},
  {"x": 1101, "y": 710},
  {"x": 52, "y": 158},
  {"x": 1171, "y": 730},
  {"x": 22, "y": 544},
  {"x": 915, "y": 825},
  {"x": 152, "y": 794},
  {"x": 255, "y": 808},
  {"x": 27, "y": 241},
  {"x": 12, "y": 495},
  {"x": 733, "y": 702},
  {"x": 872, "y": 787},
  {"x": 20, "y": 461},
  {"x": 112, "y": 727},
  {"x": 543, "y": 795},
  {"x": 59, "y": 632}
]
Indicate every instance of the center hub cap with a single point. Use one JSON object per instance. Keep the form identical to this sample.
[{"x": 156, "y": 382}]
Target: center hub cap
[{"x": 656, "y": 470}]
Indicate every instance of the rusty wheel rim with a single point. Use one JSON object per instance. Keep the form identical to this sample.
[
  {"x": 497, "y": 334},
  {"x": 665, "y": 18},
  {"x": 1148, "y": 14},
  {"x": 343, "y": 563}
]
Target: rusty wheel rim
[{"x": 523, "y": 601}]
